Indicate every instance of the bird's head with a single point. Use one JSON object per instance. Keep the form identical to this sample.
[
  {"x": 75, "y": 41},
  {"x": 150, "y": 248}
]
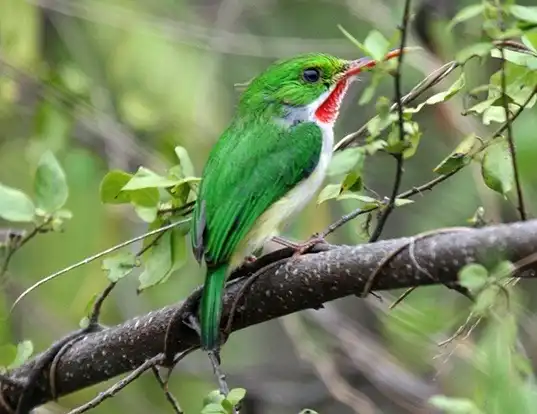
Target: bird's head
[{"x": 309, "y": 86}]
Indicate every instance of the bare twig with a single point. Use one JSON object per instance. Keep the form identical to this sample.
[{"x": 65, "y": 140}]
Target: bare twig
[
  {"x": 510, "y": 138},
  {"x": 95, "y": 257},
  {"x": 399, "y": 155},
  {"x": 117, "y": 387},
  {"x": 169, "y": 396}
]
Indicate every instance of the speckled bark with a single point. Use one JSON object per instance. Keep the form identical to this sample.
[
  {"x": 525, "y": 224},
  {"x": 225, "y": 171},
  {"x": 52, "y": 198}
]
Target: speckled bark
[{"x": 305, "y": 283}]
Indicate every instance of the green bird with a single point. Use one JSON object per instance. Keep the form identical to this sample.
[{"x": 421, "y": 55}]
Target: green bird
[{"x": 265, "y": 167}]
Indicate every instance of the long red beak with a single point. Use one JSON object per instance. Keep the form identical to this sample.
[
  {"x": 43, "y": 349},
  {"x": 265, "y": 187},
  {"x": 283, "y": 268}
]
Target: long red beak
[{"x": 359, "y": 65}]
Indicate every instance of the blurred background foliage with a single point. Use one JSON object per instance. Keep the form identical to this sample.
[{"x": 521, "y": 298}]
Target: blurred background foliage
[{"x": 119, "y": 83}]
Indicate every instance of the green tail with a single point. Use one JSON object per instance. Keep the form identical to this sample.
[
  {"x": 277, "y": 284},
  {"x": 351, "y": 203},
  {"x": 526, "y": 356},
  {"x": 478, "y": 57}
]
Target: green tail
[{"x": 211, "y": 307}]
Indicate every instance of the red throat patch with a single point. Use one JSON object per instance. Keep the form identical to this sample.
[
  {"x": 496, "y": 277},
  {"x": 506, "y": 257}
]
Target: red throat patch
[{"x": 328, "y": 111}]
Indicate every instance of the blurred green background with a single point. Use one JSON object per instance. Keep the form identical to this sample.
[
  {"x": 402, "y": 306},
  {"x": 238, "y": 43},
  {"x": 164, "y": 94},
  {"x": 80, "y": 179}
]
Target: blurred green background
[{"x": 118, "y": 83}]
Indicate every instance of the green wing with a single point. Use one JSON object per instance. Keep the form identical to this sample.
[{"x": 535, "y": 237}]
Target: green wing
[{"x": 248, "y": 170}]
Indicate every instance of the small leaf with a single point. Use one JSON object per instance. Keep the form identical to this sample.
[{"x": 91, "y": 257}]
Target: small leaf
[
  {"x": 179, "y": 247},
  {"x": 399, "y": 202},
  {"x": 344, "y": 161},
  {"x": 376, "y": 44},
  {"x": 184, "y": 161},
  {"x": 526, "y": 13},
  {"x": 111, "y": 185},
  {"x": 473, "y": 277},
  {"x": 50, "y": 184},
  {"x": 518, "y": 58},
  {"x": 119, "y": 266},
  {"x": 147, "y": 214},
  {"x": 236, "y": 395},
  {"x": 145, "y": 178},
  {"x": 457, "y": 86},
  {"x": 24, "y": 350},
  {"x": 466, "y": 13},
  {"x": 329, "y": 192},
  {"x": 214, "y": 397},
  {"x": 503, "y": 270},
  {"x": 369, "y": 202},
  {"x": 475, "y": 50},
  {"x": 158, "y": 263},
  {"x": 486, "y": 299},
  {"x": 497, "y": 168},
  {"x": 214, "y": 409},
  {"x": 15, "y": 205},
  {"x": 454, "y": 405},
  {"x": 459, "y": 157}
]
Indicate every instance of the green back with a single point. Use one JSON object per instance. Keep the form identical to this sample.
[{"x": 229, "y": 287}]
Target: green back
[{"x": 252, "y": 166}]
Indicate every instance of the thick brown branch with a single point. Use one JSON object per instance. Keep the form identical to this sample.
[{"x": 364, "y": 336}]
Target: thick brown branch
[{"x": 305, "y": 283}]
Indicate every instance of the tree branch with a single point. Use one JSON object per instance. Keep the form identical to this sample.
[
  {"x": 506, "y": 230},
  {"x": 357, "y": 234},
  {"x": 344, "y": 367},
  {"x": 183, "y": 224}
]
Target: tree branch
[{"x": 303, "y": 283}]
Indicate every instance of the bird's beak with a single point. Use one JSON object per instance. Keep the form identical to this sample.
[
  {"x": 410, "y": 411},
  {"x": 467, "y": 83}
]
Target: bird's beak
[{"x": 357, "y": 66}]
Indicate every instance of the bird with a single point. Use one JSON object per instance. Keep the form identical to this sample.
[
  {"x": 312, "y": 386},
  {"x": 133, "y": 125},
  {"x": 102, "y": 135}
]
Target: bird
[{"x": 265, "y": 167}]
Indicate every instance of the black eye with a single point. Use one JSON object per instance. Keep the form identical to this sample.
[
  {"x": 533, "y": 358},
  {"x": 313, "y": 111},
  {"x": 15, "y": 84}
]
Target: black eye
[{"x": 311, "y": 75}]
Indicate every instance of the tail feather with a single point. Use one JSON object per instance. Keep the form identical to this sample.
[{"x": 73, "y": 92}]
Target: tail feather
[{"x": 211, "y": 307}]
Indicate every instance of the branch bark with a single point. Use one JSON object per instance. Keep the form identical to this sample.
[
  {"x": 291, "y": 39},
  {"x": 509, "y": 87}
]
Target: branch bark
[{"x": 306, "y": 282}]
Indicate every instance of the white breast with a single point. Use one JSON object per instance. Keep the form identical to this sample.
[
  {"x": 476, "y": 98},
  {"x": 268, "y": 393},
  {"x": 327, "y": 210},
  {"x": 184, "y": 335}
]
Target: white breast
[{"x": 269, "y": 223}]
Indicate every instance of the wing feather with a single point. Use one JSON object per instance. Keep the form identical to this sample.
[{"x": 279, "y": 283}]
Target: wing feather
[{"x": 248, "y": 170}]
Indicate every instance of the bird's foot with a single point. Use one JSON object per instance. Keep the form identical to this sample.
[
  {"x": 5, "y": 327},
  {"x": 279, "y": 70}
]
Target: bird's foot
[
  {"x": 301, "y": 248},
  {"x": 250, "y": 259}
]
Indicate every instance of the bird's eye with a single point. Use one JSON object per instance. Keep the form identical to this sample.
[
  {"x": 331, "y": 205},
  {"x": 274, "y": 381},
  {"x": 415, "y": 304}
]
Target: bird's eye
[{"x": 311, "y": 75}]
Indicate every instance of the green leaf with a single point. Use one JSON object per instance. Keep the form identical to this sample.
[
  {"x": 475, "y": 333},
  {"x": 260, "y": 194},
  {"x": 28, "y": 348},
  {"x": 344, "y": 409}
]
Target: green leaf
[
  {"x": 466, "y": 13},
  {"x": 158, "y": 263},
  {"x": 352, "y": 182},
  {"x": 111, "y": 185},
  {"x": 214, "y": 409},
  {"x": 344, "y": 161},
  {"x": 497, "y": 168},
  {"x": 455, "y": 88},
  {"x": 179, "y": 247},
  {"x": 530, "y": 40},
  {"x": 147, "y": 214},
  {"x": 24, "y": 350},
  {"x": 214, "y": 397},
  {"x": 503, "y": 270},
  {"x": 473, "y": 277},
  {"x": 8, "y": 353},
  {"x": 526, "y": 13},
  {"x": 329, "y": 192},
  {"x": 475, "y": 50},
  {"x": 454, "y": 405},
  {"x": 15, "y": 205},
  {"x": 376, "y": 45},
  {"x": 399, "y": 202},
  {"x": 368, "y": 202},
  {"x": 486, "y": 299},
  {"x": 518, "y": 58},
  {"x": 119, "y": 266},
  {"x": 459, "y": 157},
  {"x": 145, "y": 178},
  {"x": 494, "y": 114},
  {"x": 184, "y": 161},
  {"x": 50, "y": 184},
  {"x": 236, "y": 395}
]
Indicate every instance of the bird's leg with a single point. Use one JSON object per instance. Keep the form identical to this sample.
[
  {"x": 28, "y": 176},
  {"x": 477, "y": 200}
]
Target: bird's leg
[{"x": 300, "y": 248}]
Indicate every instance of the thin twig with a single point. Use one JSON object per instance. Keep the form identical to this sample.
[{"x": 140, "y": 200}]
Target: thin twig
[
  {"x": 510, "y": 138},
  {"x": 110, "y": 392},
  {"x": 169, "y": 396},
  {"x": 14, "y": 245},
  {"x": 407, "y": 194},
  {"x": 95, "y": 257},
  {"x": 399, "y": 156}
]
